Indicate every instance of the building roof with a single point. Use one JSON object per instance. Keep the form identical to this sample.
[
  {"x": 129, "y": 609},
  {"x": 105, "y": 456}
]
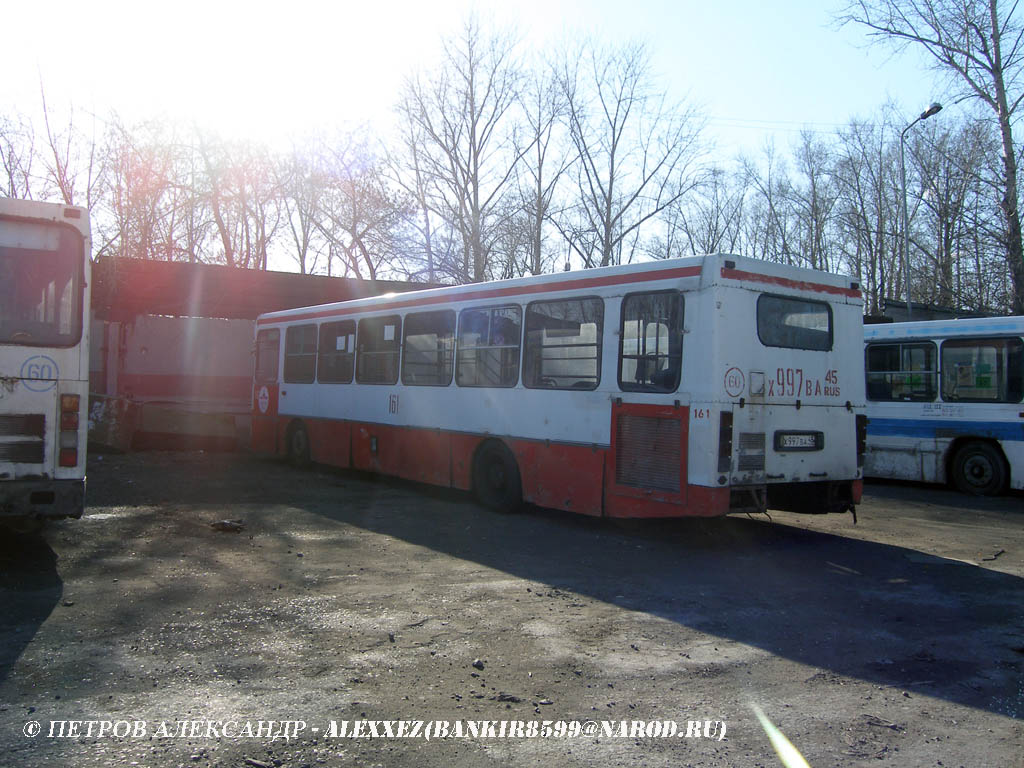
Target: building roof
[{"x": 123, "y": 288}]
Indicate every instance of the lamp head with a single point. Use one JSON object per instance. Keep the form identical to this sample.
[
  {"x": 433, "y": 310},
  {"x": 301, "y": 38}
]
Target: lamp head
[{"x": 933, "y": 109}]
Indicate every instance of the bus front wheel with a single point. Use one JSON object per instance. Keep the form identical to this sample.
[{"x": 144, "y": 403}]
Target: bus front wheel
[
  {"x": 298, "y": 446},
  {"x": 978, "y": 469},
  {"x": 496, "y": 478}
]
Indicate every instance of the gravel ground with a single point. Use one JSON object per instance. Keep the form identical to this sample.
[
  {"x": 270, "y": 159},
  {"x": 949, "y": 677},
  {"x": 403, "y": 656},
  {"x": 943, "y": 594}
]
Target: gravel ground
[{"x": 346, "y": 598}]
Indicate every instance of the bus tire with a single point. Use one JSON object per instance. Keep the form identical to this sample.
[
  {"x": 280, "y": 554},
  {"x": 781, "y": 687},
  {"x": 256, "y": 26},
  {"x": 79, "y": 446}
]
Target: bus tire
[
  {"x": 298, "y": 446},
  {"x": 979, "y": 469},
  {"x": 496, "y": 480}
]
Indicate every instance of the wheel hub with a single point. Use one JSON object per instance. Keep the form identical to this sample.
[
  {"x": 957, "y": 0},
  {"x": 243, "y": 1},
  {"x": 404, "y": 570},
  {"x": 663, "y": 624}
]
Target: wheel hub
[{"x": 979, "y": 470}]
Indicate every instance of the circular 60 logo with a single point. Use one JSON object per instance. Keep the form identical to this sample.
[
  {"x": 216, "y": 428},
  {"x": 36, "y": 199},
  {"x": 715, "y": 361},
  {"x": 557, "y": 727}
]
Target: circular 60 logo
[
  {"x": 734, "y": 382},
  {"x": 40, "y": 373}
]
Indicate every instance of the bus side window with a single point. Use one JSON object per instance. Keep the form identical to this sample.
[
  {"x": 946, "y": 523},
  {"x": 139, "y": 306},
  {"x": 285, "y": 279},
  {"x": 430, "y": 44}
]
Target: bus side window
[
  {"x": 563, "y": 344},
  {"x": 268, "y": 349},
  {"x": 428, "y": 348},
  {"x": 337, "y": 354},
  {"x": 378, "y": 349},
  {"x": 651, "y": 342},
  {"x": 983, "y": 370},
  {"x": 900, "y": 372},
  {"x": 300, "y": 354},
  {"x": 488, "y": 348}
]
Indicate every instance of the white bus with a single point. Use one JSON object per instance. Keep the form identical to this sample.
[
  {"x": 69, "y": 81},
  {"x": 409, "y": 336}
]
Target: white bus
[
  {"x": 44, "y": 360},
  {"x": 695, "y": 386},
  {"x": 944, "y": 402}
]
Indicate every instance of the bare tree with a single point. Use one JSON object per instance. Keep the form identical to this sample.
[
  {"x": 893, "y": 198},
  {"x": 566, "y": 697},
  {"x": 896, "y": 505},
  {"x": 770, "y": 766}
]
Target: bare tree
[
  {"x": 813, "y": 198},
  {"x": 868, "y": 210},
  {"x": 943, "y": 159},
  {"x": 637, "y": 154},
  {"x": 463, "y": 122},
  {"x": 541, "y": 168},
  {"x": 358, "y": 212},
  {"x": 191, "y": 220},
  {"x": 71, "y": 161},
  {"x": 426, "y": 248},
  {"x": 302, "y": 180},
  {"x": 978, "y": 44},
  {"x": 768, "y": 228},
  {"x": 17, "y": 154},
  {"x": 244, "y": 199},
  {"x": 140, "y": 166},
  {"x": 710, "y": 221}
]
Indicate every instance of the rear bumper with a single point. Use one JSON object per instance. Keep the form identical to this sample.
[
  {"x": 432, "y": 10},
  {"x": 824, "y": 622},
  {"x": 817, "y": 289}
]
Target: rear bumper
[
  {"x": 41, "y": 498},
  {"x": 815, "y": 498}
]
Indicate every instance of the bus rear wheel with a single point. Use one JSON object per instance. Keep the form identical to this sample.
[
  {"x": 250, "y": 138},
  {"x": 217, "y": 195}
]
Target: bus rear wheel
[
  {"x": 979, "y": 469},
  {"x": 298, "y": 446},
  {"x": 496, "y": 479}
]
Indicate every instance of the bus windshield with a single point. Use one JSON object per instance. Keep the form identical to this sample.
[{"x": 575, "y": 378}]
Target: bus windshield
[{"x": 40, "y": 285}]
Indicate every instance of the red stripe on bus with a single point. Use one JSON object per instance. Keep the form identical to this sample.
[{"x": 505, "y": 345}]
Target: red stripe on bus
[
  {"x": 566, "y": 285},
  {"x": 562, "y": 476},
  {"x": 800, "y": 285}
]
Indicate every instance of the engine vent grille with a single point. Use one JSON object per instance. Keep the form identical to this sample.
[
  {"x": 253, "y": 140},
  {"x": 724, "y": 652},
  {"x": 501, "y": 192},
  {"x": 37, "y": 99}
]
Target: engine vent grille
[
  {"x": 647, "y": 453},
  {"x": 21, "y": 437},
  {"x": 22, "y": 425},
  {"x": 751, "y": 452}
]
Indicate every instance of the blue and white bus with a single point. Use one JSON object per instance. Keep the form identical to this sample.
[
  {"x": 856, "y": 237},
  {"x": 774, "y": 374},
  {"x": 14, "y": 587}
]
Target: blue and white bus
[{"x": 945, "y": 402}]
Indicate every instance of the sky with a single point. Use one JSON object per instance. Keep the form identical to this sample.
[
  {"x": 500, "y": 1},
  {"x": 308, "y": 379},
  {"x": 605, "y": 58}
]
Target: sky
[{"x": 267, "y": 71}]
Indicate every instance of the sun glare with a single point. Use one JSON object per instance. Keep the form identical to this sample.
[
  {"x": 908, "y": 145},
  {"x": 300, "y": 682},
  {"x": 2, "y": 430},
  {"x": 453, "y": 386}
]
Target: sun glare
[{"x": 244, "y": 70}]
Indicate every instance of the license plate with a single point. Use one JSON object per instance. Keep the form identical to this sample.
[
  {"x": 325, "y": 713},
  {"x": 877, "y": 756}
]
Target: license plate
[{"x": 798, "y": 441}]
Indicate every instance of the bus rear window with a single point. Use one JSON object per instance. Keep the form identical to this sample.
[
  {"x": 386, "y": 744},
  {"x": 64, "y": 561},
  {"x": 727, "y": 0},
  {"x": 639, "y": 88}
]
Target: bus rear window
[
  {"x": 40, "y": 285},
  {"x": 783, "y": 321}
]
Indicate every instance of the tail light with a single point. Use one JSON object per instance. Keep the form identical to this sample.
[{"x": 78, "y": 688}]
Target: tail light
[
  {"x": 725, "y": 441},
  {"x": 862, "y": 438},
  {"x": 69, "y": 405}
]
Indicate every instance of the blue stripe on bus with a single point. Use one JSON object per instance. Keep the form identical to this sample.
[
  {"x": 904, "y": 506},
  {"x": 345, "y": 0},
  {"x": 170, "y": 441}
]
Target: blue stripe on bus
[{"x": 946, "y": 428}]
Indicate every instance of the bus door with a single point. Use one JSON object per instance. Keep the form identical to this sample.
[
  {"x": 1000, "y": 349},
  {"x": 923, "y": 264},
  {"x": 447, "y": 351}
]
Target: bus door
[
  {"x": 647, "y": 467},
  {"x": 265, "y": 390}
]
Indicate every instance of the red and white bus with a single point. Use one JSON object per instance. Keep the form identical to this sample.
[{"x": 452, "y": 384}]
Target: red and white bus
[{"x": 697, "y": 386}]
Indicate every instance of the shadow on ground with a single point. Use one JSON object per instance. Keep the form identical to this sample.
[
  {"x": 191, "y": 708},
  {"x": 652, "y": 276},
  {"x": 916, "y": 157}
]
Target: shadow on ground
[
  {"x": 887, "y": 614},
  {"x": 882, "y": 613},
  {"x": 30, "y": 587}
]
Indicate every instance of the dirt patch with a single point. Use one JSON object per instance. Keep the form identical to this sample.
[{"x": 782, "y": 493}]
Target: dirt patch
[{"x": 340, "y": 597}]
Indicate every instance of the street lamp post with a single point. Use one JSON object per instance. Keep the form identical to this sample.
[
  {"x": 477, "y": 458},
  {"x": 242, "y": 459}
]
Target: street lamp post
[{"x": 933, "y": 109}]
